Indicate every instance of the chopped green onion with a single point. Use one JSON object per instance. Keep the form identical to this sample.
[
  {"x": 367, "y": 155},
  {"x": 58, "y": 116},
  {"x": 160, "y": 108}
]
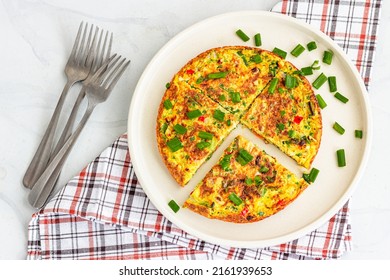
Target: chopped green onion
[
  {"x": 297, "y": 72},
  {"x": 290, "y": 82},
  {"x": 235, "y": 199},
  {"x": 244, "y": 157},
  {"x": 222, "y": 97},
  {"x": 341, "y": 97},
  {"x": 200, "y": 80},
  {"x": 280, "y": 52},
  {"x": 225, "y": 162},
  {"x": 311, "y": 46},
  {"x": 194, "y": 114},
  {"x": 321, "y": 79},
  {"x": 174, "y": 206},
  {"x": 258, "y": 40},
  {"x": 306, "y": 71},
  {"x": 164, "y": 127},
  {"x": 167, "y": 85},
  {"x": 179, "y": 129},
  {"x": 203, "y": 144},
  {"x": 264, "y": 169},
  {"x": 174, "y": 144},
  {"x": 256, "y": 58},
  {"x": 243, "y": 57},
  {"x": 321, "y": 101},
  {"x": 338, "y": 128},
  {"x": 327, "y": 58},
  {"x": 359, "y": 134},
  {"x": 205, "y": 135},
  {"x": 248, "y": 181},
  {"x": 235, "y": 96},
  {"x": 280, "y": 126},
  {"x": 316, "y": 65},
  {"x": 332, "y": 83},
  {"x": 272, "y": 85},
  {"x": 305, "y": 176},
  {"x": 312, "y": 176},
  {"x": 217, "y": 75},
  {"x": 219, "y": 115},
  {"x": 229, "y": 122},
  {"x": 168, "y": 104},
  {"x": 258, "y": 180},
  {"x": 341, "y": 158},
  {"x": 298, "y": 50},
  {"x": 242, "y": 35}
]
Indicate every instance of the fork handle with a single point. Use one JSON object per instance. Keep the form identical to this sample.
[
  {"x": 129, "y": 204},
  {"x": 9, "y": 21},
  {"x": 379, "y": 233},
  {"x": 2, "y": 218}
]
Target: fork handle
[
  {"x": 69, "y": 125},
  {"x": 42, "y": 155},
  {"x": 46, "y": 182}
]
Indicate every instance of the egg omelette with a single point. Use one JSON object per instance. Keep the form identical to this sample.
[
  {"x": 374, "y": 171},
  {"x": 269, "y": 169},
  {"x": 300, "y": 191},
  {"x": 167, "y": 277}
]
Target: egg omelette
[
  {"x": 222, "y": 87},
  {"x": 246, "y": 185},
  {"x": 287, "y": 115},
  {"x": 190, "y": 128}
]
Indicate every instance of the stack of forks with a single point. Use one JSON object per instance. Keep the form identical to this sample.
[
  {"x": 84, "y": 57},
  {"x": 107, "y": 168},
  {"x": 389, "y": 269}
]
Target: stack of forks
[{"x": 91, "y": 64}]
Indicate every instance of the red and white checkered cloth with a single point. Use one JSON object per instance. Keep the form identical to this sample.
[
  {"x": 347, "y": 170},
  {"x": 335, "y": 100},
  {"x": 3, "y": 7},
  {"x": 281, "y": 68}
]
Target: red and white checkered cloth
[{"x": 103, "y": 212}]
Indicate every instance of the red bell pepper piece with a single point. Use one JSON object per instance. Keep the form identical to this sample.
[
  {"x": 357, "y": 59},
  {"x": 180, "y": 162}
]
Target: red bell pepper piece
[{"x": 298, "y": 119}]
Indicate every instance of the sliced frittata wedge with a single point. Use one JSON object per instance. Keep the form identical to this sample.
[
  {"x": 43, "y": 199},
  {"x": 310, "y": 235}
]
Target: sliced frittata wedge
[
  {"x": 232, "y": 76},
  {"x": 287, "y": 115},
  {"x": 190, "y": 127},
  {"x": 246, "y": 185}
]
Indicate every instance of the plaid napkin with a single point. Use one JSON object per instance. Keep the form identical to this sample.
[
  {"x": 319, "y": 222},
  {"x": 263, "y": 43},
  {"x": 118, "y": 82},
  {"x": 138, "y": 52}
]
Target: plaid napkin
[{"x": 103, "y": 212}]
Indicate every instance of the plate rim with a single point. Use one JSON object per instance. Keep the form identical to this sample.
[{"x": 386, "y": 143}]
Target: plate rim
[{"x": 337, "y": 205}]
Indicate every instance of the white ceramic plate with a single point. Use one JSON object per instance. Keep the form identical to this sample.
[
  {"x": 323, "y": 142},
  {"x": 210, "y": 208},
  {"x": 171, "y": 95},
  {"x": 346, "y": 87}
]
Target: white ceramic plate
[{"x": 333, "y": 186}]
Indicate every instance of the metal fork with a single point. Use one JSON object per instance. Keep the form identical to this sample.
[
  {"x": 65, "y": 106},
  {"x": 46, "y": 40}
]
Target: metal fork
[
  {"x": 102, "y": 54},
  {"x": 77, "y": 69},
  {"x": 97, "y": 91}
]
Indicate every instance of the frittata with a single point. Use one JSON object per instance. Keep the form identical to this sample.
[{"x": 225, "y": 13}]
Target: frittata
[
  {"x": 231, "y": 76},
  {"x": 246, "y": 185},
  {"x": 224, "y": 86},
  {"x": 287, "y": 115},
  {"x": 189, "y": 129}
]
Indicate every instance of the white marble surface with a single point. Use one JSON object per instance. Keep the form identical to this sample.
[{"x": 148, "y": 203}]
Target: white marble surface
[{"x": 37, "y": 36}]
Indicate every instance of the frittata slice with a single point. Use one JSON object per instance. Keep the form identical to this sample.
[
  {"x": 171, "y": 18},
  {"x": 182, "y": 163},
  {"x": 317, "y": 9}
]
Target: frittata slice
[
  {"x": 190, "y": 127},
  {"x": 246, "y": 185},
  {"x": 287, "y": 115},
  {"x": 232, "y": 76}
]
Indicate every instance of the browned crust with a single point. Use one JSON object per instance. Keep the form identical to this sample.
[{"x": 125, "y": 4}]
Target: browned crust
[
  {"x": 175, "y": 173},
  {"x": 237, "y": 217},
  {"x": 161, "y": 143}
]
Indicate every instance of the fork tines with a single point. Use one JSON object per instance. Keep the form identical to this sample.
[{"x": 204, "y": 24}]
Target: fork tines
[
  {"x": 116, "y": 73},
  {"x": 84, "y": 51},
  {"x": 102, "y": 52},
  {"x": 110, "y": 72}
]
